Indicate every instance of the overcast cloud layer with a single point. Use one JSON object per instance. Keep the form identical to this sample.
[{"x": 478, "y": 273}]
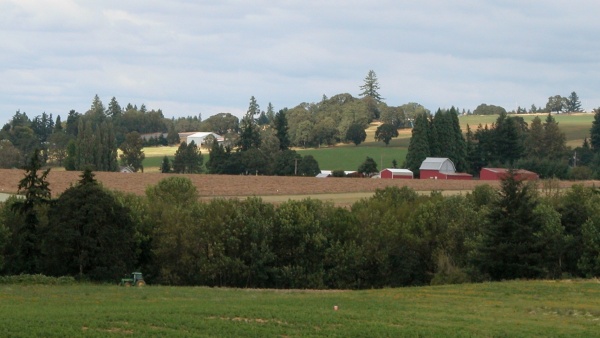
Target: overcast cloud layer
[{"x": 206, "y": 57}]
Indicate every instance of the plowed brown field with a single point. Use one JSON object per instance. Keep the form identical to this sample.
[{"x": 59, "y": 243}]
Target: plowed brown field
[{"x": 222, "y": 185}]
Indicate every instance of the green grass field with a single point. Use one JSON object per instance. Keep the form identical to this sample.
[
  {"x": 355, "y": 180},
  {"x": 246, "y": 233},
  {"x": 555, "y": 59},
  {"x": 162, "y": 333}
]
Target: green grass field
[
  {"x": 507, "y": 309},
  {"x": 348, "y": 157}
]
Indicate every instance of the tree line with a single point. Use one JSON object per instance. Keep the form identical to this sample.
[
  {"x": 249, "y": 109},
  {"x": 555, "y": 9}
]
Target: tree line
[
  {"x": 510, "y": 142},
  {"x": 395, "y": 238}
]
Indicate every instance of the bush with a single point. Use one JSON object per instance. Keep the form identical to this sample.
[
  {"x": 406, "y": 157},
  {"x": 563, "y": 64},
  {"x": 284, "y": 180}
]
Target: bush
[
  {"x": 581, "y": 173},
  {"x": 338, "y": 173},
  {"x": 37, "y": 280}
]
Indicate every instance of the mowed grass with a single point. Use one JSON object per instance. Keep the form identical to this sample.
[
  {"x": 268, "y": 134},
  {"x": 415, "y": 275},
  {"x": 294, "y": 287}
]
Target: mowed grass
[
  {"x": 349, "y": 157},
  {"x": 507, "y": 309}
]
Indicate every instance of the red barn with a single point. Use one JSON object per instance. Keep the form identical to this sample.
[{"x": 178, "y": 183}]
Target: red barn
[
  {"x": 394, "y": 173},
  {"x": 496, "y": 174},
  {"x": 441, "y": 168}
]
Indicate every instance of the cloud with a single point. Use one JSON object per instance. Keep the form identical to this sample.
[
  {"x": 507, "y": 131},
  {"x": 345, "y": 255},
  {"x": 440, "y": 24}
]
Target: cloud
[{"x": 191, "y": 57}]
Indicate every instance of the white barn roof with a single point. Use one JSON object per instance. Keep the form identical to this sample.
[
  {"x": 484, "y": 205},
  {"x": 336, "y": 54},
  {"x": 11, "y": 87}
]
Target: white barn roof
[
  {"x": 399, "y": 171},
  {"x": 441, "y": 164},
  {"x": 199, "y": 137}
]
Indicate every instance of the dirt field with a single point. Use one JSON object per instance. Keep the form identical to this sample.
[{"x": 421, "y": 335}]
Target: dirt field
[{"x": 222, "y": 185}]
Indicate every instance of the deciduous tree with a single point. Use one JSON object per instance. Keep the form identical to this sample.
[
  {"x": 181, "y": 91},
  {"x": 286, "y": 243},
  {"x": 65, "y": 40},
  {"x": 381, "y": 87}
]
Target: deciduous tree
[
  {"x": 385, "y": 133},
  {"x": 356, "y": 133}
]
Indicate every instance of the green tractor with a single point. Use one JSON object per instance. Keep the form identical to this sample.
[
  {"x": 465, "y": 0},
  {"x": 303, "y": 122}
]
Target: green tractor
[{"x": 136, "y": 279}]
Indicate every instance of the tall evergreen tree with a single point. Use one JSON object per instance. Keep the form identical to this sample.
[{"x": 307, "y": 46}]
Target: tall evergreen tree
[
  {"x": 370, "y": 88},
  {"x": 508, "y": 139},
  {"x": 418, "y": 148},
  {"x": 114, "y": 109},
  {"x": 509, "y": 249},
  {"x": 573, "y": 104},
  {"x": 250, "y": 134},
  {"x": 555, "y": 141},
  {"x": 25, "y": 245},
  {"x": 281, "y": 125},
  {"x": 165, "y": 166},
  {"x": 595, "y": 132},
  {"x": 188, "y": 159},
  {"x": 459, "y": 145},
  {"x": 217, "y": 160},
  {"x": 534, "y": 142},
  {"x": 270, "y": 112}
]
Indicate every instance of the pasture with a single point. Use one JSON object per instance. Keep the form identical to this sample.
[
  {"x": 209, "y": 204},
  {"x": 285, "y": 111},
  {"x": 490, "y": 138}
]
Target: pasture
[
  {"x": 504, "y": 309},
  {"x": 575, "y": 126}
]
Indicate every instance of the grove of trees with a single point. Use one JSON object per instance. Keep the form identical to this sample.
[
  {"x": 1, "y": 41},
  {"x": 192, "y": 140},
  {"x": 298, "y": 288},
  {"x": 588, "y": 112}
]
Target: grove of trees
[
  {"x": 395, "y": 238},
  {"x": 509, "y": 143}
]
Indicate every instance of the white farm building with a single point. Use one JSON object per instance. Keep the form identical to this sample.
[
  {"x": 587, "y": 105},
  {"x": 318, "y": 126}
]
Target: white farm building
[{"x": 201, "y": 138}]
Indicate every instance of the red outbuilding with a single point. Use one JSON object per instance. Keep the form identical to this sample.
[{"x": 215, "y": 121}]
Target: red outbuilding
[
  {"x": 441, "y": 168},
  {"x": 394, "y": 173},
  {"x": 496, "y": 174}
]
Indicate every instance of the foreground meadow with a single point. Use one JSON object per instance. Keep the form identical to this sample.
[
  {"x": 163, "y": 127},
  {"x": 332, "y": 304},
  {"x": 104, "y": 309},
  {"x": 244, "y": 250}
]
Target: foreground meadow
[{"x": 510, "y": 309}]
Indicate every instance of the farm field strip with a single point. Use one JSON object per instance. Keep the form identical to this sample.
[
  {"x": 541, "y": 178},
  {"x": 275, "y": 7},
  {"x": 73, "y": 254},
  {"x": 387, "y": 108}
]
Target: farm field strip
[
  {"x": 211, "y": 186},
  {"x": 516, "y": 308}
]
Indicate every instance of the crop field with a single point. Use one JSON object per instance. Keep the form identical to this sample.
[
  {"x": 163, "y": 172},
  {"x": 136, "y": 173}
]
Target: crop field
[
  {"x": 505, "y": 309},
  {"x": 276, "y": 189}
]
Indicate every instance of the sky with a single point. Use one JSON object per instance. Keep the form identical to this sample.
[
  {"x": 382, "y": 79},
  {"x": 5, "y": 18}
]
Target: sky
[{"x": 207, "y": 57}]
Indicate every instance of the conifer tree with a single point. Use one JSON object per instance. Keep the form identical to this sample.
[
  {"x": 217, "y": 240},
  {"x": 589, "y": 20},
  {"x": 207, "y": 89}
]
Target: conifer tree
[
  {"x": 509, "y": 249},
  {"x": 555, "y": 141},
  {"x": 281, "y": 126},
  {"x": 165, "y": 166},
  {"x": 595, "y": 132},
  {"x": 371, "y": 87},
  {"x": 25, "y": 245},
  {"x": 418, "y": 148}
]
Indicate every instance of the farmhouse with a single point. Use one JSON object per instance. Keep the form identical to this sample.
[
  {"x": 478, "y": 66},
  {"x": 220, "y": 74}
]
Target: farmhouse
[
  {"x": 495, "y": 174},
  {"x": 441, "y": 168},
  {"x": 200, "y": 138},
  {"x": 394, "y": 173}
]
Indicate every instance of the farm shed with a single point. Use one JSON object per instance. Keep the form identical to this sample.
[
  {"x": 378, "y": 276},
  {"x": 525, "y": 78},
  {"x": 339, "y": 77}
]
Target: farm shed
[
  {"x": 394, "y": 173},
  {"x": 324, "y": 173},
  {"x": 495, "y": 174},
  {"x": 441, "y": 168},
  {"x": 200, "y": 138}
]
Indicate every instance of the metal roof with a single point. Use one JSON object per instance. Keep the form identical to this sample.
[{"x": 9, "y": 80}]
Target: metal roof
[
  {"x": 398, "y": 171},
  {"x": 442, "y": 164}
]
